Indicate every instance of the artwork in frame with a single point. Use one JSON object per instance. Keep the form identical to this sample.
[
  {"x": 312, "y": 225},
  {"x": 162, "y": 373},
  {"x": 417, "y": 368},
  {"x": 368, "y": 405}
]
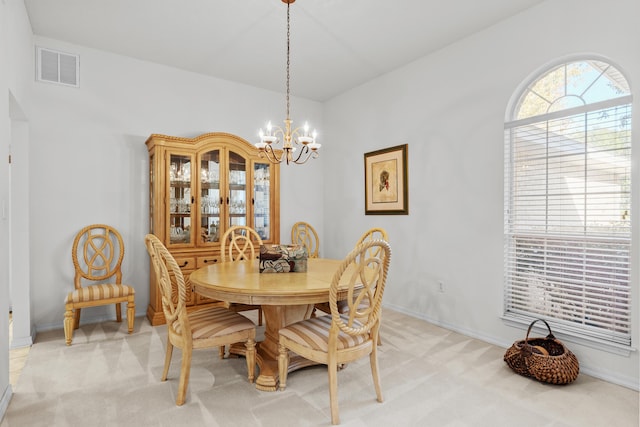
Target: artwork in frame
[{"x": 386, "y": 190}]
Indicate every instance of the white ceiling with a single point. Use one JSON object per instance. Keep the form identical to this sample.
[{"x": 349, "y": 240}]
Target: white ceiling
[{"x": 335, "y": 44}]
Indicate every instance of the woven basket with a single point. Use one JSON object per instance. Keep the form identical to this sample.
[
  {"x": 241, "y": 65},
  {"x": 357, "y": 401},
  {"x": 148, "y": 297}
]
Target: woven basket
[{"x": 545, "y": 359}]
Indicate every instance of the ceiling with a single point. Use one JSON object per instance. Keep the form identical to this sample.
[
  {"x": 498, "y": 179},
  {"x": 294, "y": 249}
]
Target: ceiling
[{"x": 335, "y": 44}]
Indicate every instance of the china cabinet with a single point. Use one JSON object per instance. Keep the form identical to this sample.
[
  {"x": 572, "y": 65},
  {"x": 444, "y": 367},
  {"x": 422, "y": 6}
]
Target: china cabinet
[{"x": 199, "y": 187}]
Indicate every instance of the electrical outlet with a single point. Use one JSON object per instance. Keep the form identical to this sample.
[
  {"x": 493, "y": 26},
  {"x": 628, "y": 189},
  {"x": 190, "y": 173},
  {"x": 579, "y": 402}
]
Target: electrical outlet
[{"x": 441, "y": 286}]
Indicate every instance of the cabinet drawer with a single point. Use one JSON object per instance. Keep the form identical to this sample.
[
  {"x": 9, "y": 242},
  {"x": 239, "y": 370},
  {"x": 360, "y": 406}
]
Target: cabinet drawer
[
  {"x": 186, "y": 263},
  {"x": 204, "y": 261}
]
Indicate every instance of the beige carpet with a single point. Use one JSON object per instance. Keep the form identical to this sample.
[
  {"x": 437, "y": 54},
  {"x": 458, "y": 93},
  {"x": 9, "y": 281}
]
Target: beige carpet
[{"x": 430, "y": 377}]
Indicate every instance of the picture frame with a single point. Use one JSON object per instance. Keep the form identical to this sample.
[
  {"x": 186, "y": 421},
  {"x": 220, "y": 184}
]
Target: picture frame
[{"x": 386, "y": 186}]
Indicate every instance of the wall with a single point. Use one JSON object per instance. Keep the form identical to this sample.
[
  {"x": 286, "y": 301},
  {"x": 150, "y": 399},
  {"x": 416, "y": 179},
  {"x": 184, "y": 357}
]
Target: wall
[
  {"x": 5, "y": 129},
  {"x": 89, "y": 163},
  {"x": 15, "y": 84},
  {"x": 450, "y": 108}
]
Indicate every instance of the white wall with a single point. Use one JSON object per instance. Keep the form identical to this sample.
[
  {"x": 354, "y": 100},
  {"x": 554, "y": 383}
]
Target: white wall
[
  {"x": 450, "y": 108},
  {"x": 89, "y": 163},
  {"x": 15, "y": 77},
  {"x": 5, "y": 133}
]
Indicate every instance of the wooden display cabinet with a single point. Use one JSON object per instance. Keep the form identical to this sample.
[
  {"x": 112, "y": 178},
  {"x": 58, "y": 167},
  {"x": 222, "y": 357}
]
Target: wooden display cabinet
[{"x": 199, "y": 187}]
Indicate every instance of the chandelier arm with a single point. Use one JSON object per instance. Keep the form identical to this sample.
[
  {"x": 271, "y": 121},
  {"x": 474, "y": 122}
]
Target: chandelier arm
[
  {"x": 303, "y": 150},
  {"x": 271, "y": 155}
]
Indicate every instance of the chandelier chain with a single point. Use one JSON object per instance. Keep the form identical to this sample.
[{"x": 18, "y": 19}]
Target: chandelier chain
[{"x": 288, "y": 58}]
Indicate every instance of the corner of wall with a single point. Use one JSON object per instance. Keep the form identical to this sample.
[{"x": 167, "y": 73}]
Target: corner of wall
[{"x": 4, "y": 401}]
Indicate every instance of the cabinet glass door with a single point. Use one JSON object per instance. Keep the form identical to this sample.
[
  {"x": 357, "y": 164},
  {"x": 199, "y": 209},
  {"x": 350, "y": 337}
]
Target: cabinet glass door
[
  {"x": 210, "y": 196},
  {"x": 261, "y": 199},
  {"x": 180, "y": 199},
  {"x": 237, "y": 200}
]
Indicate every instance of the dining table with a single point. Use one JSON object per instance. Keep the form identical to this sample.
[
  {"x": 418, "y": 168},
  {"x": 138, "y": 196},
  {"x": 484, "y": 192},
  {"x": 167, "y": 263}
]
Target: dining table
[{"x": 285, "y": 298}]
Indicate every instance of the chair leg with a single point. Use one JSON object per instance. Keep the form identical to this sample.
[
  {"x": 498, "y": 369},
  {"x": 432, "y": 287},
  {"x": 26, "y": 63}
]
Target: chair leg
[
  {"x": 221, "y": 351},
  {"x": 373, "y": 358},
  {"x": 283, "y": 365},
  {"x": 185, "y": 370},
  {"x": 76, "y": 318},
  {"x": 68, "y": 325},
  {"x": 260, "y": 316},
  {"x": 167, "y": 360},
  {"x": 118, "y": 312},
  {"x": 251, "y": 358},
  {"x": 131, "y": 314},
  {"x": 332, "y": 367}
]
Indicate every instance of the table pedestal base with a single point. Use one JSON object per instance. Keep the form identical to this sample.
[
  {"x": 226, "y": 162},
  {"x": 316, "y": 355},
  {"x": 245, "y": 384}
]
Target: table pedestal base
[{"x": 276, "y": 317}]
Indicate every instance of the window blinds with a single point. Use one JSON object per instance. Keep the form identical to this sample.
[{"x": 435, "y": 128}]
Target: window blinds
[{"x": 567, "y": 220}]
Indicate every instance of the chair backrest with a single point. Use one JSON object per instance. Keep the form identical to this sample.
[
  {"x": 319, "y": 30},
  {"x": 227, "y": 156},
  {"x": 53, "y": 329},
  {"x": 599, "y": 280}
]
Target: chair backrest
[
  {"x": 240, "y": 243},
  {"x": 171, "y": 284},
  {"x": 375, "y": 233},
  {"x": 304, "y": 234},
  {"x": 365, "y": 304},
  {"x": 97, "y": 253}
]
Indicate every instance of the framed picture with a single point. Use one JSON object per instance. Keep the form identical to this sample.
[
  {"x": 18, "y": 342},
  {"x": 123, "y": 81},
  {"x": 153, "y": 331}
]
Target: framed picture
[{"x": 386, "y": 190}]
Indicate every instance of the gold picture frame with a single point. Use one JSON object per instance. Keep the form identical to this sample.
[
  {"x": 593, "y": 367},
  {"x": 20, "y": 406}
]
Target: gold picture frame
[{"x": 386, "y": 189}]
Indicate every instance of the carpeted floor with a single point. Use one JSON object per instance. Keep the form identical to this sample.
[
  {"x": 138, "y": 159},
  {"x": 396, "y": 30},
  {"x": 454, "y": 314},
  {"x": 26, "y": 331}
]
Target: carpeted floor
[{"x": 430, "y": 377}]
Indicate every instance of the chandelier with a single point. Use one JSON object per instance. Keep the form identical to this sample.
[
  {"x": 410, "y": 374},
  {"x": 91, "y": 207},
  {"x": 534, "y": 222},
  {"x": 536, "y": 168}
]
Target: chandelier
[{"x": 299, "y": 139}]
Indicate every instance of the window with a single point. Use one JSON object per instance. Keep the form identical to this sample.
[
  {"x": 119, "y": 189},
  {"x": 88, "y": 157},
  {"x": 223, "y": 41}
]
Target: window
[{"x": 568, "y": 202}]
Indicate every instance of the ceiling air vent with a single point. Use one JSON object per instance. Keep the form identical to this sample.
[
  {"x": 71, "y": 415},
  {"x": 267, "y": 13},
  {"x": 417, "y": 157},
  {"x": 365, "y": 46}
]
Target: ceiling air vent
[{"x": 57, "y": 67}]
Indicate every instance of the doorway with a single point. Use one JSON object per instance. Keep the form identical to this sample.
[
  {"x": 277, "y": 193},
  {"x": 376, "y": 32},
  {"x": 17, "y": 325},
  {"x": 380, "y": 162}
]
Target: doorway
[{"x": 17, "y": 212}]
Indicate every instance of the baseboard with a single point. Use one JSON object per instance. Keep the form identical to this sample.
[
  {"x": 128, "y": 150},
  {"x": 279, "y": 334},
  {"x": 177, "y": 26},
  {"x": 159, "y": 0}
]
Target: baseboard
[
  {"x": 19, "y": 342},
  {"x": 4, "y": 402},
  {"x": 87, "y": 321},
  {"x": 607, "y": 376}
]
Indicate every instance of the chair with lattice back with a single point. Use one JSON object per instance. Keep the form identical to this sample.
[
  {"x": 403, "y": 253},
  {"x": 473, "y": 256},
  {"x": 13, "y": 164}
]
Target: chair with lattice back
[
  {"x": 240, "y": 243},
  {"x": 375, "y": 233},
  {"x": 209, "y": 327},
  {"x": 302, "y": 233},
  {"x": 97, "y": 254},
  {"x": 343, "y": 337}
]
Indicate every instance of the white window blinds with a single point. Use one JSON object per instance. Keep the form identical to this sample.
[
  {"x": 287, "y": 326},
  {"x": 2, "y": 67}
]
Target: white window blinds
[{"x": 567, "y": 219}]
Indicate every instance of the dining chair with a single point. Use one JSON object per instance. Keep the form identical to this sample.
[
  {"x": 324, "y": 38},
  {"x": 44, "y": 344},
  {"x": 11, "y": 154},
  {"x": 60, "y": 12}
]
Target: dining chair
[
  {"x": 304, "y": 234},
  {"x": 209, "y": 327},
  {"x": 375, "y": 233},
  {"x": 240, "y": 243},
  {"x": 97, "y": 254},
  {"x": 340, "y": 338}
]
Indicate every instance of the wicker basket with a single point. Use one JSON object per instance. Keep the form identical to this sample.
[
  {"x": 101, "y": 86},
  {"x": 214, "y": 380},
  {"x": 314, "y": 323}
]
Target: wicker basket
[{"x": 545, "y": 359}]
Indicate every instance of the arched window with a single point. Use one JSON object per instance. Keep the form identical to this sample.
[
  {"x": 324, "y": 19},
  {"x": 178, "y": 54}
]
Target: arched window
[{"x": 568, "y": 202}]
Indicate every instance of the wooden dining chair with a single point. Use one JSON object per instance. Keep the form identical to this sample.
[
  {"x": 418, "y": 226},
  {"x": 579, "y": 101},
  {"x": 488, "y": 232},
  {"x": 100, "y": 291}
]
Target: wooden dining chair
[
  {"x": 340, "y": 338},
  {"x": 97, "y": 254},
  {"x": 375, "y": 233},
  {"x": 210, "y": 327},
  {"x": 304, "y": 234},
  {"x": 240, "y": 243}
]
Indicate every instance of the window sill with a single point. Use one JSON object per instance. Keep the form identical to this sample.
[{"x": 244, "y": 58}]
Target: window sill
[{"x": 567, "y": 336}]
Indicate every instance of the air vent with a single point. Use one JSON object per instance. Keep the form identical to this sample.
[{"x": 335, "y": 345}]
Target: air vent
[{"x": 57, "y": 67}]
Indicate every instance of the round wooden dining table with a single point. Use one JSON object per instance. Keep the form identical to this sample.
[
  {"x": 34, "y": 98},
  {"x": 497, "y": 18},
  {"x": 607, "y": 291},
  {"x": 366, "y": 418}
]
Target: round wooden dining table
[{"x": 285, "y": 298}]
